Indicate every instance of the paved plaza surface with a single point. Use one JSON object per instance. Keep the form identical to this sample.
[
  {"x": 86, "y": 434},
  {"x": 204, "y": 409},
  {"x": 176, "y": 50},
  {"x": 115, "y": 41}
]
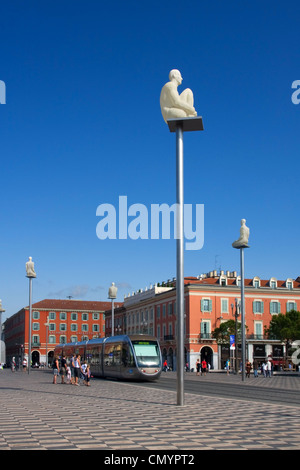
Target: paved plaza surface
[{"x": 126, "y": 417}]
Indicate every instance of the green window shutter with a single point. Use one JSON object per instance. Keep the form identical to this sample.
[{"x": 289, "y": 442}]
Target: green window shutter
[
  {"x": 262, "y": 307},
  {"x": 254, "y": 306},
  {"x": 201, "y": 305},
  {"x": 271, "y": 307},
  {"x": 210, "y": 306}
]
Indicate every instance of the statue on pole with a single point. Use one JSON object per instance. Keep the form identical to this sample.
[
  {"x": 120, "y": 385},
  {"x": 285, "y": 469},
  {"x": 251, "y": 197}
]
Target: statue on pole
[
  {"x": 174, "y": 105},
  {"x": 30, "y": 272},
  {"x": 242, "y": 242}
]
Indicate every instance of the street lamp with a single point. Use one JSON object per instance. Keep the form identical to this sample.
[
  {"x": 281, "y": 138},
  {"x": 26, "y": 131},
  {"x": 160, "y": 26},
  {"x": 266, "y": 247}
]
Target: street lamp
[
  {"x": 47, "y": 334},
  {"x": 144, "y": 325},
  {"x": 112, "y": 294},
  {"x": 31, "y": 274},
  {"x": 240, "y": 244},
  {"x": 1, "y": 311}
]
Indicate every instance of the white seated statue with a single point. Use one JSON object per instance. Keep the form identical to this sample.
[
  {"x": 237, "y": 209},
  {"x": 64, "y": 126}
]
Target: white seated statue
[
  {"x": 242, "y": 242},
  {"x": 174, "y": 105},
  {"x": 30, "y": 272}
]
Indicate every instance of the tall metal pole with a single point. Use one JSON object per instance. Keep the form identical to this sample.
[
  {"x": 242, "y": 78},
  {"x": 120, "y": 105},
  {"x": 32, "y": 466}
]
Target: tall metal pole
[
  {"x": 30, "y": 321},
  {"x": 112, "y": 318},
  {"x": 243, "y": 314},
  {"x": 180, "y": 265},
  {"x": 180, "y": 126}
]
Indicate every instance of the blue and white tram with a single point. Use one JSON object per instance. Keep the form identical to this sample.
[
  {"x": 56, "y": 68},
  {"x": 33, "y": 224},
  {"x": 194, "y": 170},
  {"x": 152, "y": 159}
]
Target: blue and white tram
[{"x": 128, "y": 357}]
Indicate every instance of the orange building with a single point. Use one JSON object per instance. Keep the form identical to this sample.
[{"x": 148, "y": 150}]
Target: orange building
[
  {"x": 210, "y": 299},
  {"x": 53, "y": 322}
]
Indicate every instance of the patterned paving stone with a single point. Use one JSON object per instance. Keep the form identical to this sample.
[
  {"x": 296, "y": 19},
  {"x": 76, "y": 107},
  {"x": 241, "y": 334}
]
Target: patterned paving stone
[{"x": 112, "y": 415}]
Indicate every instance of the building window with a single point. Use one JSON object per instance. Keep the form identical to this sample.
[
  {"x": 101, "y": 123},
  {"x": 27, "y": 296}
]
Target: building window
[
  {"x": 206, "y": 305},
  {"x": 84, "y": 327},
  {"x": 35, "y": 315},
  {"x": 96, "y": 328},
  {"x": 158, "y": 311},
  {"x": 52, "y": 327},
  {"x": 224, "y": 305},
  {"x": 63, "y": 327},
  {"x": 84, "y": 316},
  {"x": 63, "y": 316},
  {"x": 62, "y": 339},
  {"x": 73, "y": 316},
  {"x": 74, "y": 327},
  {"x": 35, "y": 340},
  {"x": 291, "y": 306},
  {"x": 164, "y": 310},
  {"x": 274, "y": 306},
  {"x": 170, "y": 308},
  {"x": 205, "y": 329},
  {"x": 52, "y": 315},
  {"x": 73, "y": 339},
  {"x": 158, "y": 331},
  {"x": 258, "y": 330},
  {"x": 95, "y": 316},
  {"x": 52, "y": 339},
  {"x": 258, "y": 306},
  {"x": 273, "y": 283},
  {"x": 35, "y": 326}
]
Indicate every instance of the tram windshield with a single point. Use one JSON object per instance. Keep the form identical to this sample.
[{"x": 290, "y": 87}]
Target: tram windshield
[{"x": 147, "y": 353}]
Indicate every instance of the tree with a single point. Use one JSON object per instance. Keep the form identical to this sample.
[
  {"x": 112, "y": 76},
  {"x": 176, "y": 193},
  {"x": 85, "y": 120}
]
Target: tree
[
  {"x": 285, "y": 327},
  {"x": 222, "y": 333}
]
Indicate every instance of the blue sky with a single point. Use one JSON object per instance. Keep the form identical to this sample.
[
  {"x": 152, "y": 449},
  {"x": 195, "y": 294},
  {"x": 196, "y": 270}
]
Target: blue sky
[{"x": 82, "y": 126}]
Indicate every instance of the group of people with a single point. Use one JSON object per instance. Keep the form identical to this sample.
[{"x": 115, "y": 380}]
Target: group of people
[
  {"x": 202, "y": 367},
  {"x": 71, "y": 372},
  {"x": 266, "y": 368}
]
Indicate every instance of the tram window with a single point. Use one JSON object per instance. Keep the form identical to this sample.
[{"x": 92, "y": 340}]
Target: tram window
[
  {"x": 112, "y": 355},
  {"x": 127, "y": 356},
  {"x": 147, "y": 353}
]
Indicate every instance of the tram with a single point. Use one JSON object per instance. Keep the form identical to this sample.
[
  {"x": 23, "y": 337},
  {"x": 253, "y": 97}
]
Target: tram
[{"x": 127, "y": 357}]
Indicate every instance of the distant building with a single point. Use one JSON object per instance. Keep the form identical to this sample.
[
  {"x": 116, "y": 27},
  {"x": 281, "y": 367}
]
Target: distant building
[
  {"x": 209, "y": 301},
  {"x": 53, "y": 322}
]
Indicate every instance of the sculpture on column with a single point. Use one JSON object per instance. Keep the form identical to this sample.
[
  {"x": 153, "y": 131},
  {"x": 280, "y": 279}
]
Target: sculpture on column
[
  {"x": 30, "y": 272},
  {"x": 174, "y": 105},
  {"x": 242, "y": 242}
]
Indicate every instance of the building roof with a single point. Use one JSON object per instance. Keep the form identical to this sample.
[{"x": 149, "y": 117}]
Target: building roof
[{"x": 70, "y": 304}]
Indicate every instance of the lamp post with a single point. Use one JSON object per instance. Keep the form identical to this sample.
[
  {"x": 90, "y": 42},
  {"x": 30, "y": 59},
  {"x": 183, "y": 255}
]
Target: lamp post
[
  {"x": 1, "y": 311},
  {"x": 236, "y": 314},
  {"x": 241, "y": 244},
  {"x": 30, "y": 273},
  {"x": 112, "y": 294},
  {"x": 47, "y": 333},
  {"x": 180, "y": 126}
]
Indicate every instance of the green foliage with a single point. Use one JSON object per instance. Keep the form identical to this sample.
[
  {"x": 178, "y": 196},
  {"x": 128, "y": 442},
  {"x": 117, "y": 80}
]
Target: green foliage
[
  {"x": 285, "y": 327},
  {"x": 223, "y": 332}
]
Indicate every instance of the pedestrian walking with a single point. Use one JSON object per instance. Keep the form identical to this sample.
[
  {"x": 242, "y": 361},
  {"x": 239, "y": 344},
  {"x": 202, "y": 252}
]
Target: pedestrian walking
[
  {"x": 55, "y": 367},
  {"x": 269, "y": 368},
  {"x": 264, "y": 369},
  {"x": 255, "y": 368},
  {"x": 248, "y": 369},
  {"x": 87, "y": 376},
  {"x": 203, "y": 367},
  {"x": 198, "y": 366},
  {"x": 77, "y": 368},
  {"x": 165, "y": 366},
  {"x": 63, "y": 369},
  {"x": 68, "y": 370},
  {"x": 227, "y": 366}
]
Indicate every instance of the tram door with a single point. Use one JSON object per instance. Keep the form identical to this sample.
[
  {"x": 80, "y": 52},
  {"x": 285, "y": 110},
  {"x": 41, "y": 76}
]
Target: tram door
[{"x": 112, "y": 359}]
